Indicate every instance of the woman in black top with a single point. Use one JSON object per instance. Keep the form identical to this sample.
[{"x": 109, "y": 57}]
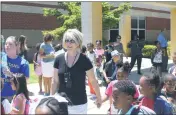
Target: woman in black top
[
  {"x": 70, "y": 70},
  {"x": 22, "y": 47}
]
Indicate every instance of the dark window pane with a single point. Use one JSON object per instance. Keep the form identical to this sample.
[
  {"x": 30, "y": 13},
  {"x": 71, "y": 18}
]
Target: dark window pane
[
  {"x": 141, "y": 34},
  {"x": 133, "y": 33},
  {"x": 134, "y": 23},
  {"x": 114, "y": 34},
  {"x": 142, "y": 24}
]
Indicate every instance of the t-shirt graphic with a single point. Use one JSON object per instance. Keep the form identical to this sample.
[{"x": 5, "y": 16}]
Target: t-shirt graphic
[{"x": 17, "y": 65}]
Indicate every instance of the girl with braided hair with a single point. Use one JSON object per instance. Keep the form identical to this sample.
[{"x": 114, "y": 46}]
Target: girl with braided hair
[
  {"x": 54, "y": 105},
  {"x": 150, "y": 87}
]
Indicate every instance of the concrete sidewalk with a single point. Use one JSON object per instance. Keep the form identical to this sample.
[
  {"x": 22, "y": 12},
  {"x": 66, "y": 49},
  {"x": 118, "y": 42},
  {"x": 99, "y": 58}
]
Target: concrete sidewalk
[{"x": 92, "y": 109}]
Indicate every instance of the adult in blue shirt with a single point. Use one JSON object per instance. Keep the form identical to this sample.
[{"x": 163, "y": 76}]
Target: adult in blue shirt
[
  {"x": 12, "y": 64},
  {"x": 163, "y": 41}
]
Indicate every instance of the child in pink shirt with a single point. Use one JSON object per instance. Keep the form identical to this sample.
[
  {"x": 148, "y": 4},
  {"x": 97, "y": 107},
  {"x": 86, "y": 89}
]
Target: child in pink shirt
[
  {"x": 20, "y": 102},
  {"x": 122, "y": 74}
]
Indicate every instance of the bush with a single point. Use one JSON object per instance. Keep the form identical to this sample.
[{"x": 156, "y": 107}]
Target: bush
[{"x": 148, "y": 50}]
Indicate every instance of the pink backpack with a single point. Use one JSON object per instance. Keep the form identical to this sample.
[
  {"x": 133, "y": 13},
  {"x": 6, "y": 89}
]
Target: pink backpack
[
  {"x": 27, "y": 106},
  {"x": 26, "y": 111}
]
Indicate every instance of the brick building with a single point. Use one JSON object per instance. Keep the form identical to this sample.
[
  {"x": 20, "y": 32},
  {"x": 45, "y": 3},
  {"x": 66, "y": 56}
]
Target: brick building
[
  {"x": 26, "y": 17},
  {"x": 146, "y": 20}
]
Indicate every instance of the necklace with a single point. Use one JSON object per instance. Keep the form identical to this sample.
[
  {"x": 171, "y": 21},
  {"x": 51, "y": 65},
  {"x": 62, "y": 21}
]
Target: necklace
[{"x": 73, "y": 61}]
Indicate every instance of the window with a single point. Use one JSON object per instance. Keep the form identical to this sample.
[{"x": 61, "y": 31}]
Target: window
[
  {"x": 134, "y": 23},
  {"x": 113, "y": 34},
  {"x": 133, "y": 33},
  {"x": 138, "y": 27},
  {"x": 142, "y": 34}
]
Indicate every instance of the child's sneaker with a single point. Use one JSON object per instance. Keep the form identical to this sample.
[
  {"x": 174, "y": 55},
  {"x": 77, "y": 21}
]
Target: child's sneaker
[
  {"x": 93, "y": 97},
  {"x": 40, "y": 93},
  {"x": 46, "y": 94}
]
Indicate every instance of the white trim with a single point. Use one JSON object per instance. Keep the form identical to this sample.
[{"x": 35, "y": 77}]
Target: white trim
[
  {"x": 86, "y": 22},
  {"x": 25, "y": 9},
  {"x": 142, "y": 4},
  {"x": 148, "y": 14},
  {"x": 113, "y": 29}
]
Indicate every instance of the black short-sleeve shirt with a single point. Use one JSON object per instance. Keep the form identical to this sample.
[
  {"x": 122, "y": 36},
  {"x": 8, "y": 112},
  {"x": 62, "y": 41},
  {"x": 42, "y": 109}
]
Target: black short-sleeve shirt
[
  {"x": 77, "y": 93},
  {"x": 109, "y": 68}
]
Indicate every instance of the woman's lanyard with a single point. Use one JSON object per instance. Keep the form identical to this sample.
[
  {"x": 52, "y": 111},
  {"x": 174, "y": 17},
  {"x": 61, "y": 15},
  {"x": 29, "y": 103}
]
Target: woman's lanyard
[{"x": 73, "y": 60}]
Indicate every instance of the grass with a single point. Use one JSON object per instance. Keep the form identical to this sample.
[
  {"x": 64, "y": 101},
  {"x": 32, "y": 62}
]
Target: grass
[{"x": 33, "y": 77}]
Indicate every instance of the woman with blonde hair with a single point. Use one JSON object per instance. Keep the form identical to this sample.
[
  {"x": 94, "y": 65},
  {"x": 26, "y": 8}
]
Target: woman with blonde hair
[{"x": 70, "y": 70}]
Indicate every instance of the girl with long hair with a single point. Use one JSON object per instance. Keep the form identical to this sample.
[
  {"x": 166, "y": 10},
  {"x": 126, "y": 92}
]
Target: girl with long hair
[{"x": 20, "y": 102}]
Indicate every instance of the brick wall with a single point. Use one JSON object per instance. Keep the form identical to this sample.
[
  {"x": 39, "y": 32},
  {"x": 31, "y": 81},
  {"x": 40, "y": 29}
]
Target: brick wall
[
  {"x": 153, "y": 23},
  {"x": 16, "y": 20}
]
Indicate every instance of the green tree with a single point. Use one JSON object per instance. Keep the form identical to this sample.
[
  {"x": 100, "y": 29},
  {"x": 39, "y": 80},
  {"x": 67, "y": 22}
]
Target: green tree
[{"x": 72, "y": 17}]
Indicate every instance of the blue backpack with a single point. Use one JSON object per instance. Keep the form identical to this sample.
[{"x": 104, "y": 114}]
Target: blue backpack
[{"x": 162, "y": 107}]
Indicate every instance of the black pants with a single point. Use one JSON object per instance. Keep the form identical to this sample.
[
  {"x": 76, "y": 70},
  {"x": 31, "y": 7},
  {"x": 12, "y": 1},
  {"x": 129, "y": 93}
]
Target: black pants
[
  {"x": 165, "y": 60},
  {"x": 158, "y": 68},
  {"x": 133, "y": 61},
  {"x": 165, "y": 63}
]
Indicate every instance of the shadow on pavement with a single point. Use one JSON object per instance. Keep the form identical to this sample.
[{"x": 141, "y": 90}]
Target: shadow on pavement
[
  {"x": 31, "y": 93},
  {"x": 135, "y": 77}
]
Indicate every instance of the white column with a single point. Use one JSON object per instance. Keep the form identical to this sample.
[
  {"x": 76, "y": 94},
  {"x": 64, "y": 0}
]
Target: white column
[
  {"x": 86, "y": 21},
  {"x": 91, "y": 20}
]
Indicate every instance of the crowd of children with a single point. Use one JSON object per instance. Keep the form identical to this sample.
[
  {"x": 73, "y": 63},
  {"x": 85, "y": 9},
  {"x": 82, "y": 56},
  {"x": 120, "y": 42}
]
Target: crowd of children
[{"x": 156, "y": 93}]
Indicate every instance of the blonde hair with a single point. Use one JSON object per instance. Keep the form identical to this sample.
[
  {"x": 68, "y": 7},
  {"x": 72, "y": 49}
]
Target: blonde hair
[
  {"x": 15, "y": 41},
  {"x": 75, "y": 35}
]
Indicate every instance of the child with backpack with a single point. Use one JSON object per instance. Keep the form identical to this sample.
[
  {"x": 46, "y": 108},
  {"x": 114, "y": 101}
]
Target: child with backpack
[
  {"x": 123, "y": 73},
  {"x": 20, "y": 102},
  {"x": 150, "y": 87},
  {"x": 157, "y": 58},
  {"x": 37, "y": 67},
  {"x": 123, "y": 98},
  {"x": 5, "y": 105}
]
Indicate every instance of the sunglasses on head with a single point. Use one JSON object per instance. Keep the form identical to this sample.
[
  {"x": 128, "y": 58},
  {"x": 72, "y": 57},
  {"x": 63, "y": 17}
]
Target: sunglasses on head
[{"x": 70, "y": 41}]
